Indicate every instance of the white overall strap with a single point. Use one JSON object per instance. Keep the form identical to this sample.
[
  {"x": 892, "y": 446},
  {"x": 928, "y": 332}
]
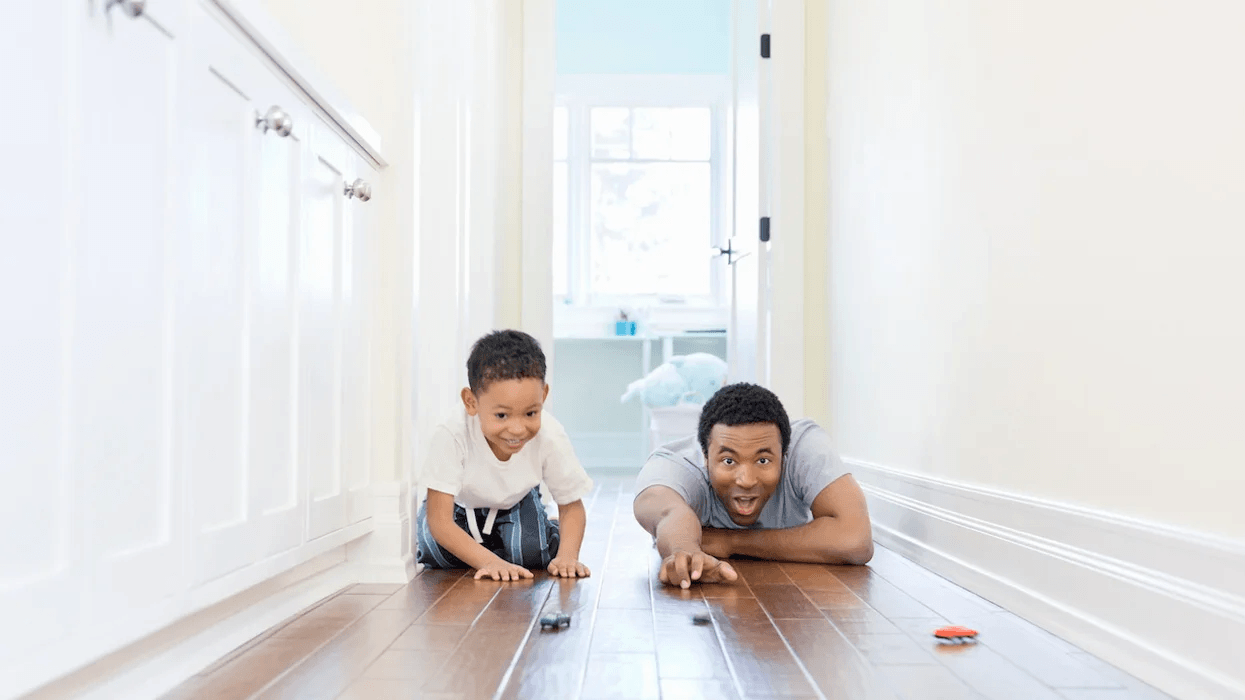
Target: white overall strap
[{"x": 473, "y": 525}]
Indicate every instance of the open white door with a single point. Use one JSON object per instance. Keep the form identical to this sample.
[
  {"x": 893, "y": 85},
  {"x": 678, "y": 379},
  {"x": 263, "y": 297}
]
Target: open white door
[{"x": 748, "y": 332}]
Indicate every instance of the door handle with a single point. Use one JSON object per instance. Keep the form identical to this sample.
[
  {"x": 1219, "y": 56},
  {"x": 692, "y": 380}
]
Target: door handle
[{"x": 732, "y": 255}]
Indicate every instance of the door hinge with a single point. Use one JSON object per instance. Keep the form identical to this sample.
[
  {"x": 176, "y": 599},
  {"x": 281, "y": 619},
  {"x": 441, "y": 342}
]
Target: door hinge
[
  {"x": 765, "y": 46},
  {"x": 765, "y": 229}
]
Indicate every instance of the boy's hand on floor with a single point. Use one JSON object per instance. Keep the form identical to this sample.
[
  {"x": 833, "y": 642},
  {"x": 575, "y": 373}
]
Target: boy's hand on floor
[
  {"x": 502, "y": 570},
  {"x": 568, "y": 568}
]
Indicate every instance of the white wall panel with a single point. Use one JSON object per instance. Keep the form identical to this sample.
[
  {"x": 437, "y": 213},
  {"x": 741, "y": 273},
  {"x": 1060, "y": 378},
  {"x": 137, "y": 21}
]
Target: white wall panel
[{"x": 37, "y": 573}]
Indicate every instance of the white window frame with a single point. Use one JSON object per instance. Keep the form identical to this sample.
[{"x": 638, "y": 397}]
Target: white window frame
[{"x": 579, "y": 95}]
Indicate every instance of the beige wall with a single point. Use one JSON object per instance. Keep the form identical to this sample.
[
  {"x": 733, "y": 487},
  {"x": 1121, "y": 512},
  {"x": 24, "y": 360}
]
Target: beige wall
[
  {"x": 365, "y": 54},
  {"x": 1036, "y": 249},
  {"x": 360, "y": 51}
]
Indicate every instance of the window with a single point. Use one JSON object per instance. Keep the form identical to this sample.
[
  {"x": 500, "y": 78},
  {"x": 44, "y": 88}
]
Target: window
[{"x": 639, "y": 194}]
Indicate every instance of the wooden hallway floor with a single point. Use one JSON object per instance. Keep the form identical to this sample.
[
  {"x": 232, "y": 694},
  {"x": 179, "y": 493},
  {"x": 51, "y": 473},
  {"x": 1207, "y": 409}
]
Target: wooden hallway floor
[{"x": 783, "y": 631}]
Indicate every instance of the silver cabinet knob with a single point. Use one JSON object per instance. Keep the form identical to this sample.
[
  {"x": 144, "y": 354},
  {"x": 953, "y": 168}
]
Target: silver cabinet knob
[
  {"x": 133, "y": 8},
  {"x": 359, "y": 188},
  {"x": 275, "y": 120}
]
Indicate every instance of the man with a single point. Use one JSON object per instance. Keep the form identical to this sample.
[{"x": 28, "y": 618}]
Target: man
[{"x": 750, "y": 483}]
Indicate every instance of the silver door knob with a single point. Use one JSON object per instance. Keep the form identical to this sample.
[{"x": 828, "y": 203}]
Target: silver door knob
[
  {"x": 275, "y": 120},
  {"x": 359, "y": 188},
  {"x": 133, "y": 8}
]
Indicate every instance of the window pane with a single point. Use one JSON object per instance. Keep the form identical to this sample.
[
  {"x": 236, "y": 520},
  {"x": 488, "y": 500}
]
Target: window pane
[
  {"x": 691, "y": 133},
  {"x": 673, "y": 134},
  {"x": 561, "y": 214},
  {"x": 611, "y": 132},
  {"x": 650, "y": 228},
  {"x": 652, "y": 134},
  {"x": 561, "y": 132}
]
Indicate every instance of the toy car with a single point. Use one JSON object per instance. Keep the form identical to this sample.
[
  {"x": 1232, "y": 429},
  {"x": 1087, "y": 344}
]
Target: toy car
[
  {"x": 702, "y": 618},
  {"x": 557, "y": 620},
  {"x": 955, "y": 633}
]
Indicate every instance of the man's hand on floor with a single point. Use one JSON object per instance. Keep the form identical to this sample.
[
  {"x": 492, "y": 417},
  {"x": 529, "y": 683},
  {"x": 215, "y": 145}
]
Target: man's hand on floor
[{"x": 682, "y": 568}]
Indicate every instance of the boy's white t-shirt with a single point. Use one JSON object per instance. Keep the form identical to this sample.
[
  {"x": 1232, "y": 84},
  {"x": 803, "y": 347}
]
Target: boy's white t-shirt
[{"x": 461, "y": 463}]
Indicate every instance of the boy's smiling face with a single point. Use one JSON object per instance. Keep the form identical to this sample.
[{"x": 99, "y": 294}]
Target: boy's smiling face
[
  {"x": 745, "y": 466},
  {"x": 509, "y": 412}
]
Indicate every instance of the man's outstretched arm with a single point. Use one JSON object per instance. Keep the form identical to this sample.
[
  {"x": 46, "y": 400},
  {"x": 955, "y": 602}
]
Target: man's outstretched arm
[
  {"x": 666, "y": 516},
  {"x": 840, "y": 532}
]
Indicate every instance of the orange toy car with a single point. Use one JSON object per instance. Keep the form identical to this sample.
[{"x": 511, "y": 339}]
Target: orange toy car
[{"x": 955, "y": 633}]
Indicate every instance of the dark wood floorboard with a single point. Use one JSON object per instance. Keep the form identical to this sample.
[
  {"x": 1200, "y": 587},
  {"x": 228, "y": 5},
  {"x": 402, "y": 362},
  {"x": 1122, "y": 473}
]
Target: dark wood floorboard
[{"x": 782, "y": 631}]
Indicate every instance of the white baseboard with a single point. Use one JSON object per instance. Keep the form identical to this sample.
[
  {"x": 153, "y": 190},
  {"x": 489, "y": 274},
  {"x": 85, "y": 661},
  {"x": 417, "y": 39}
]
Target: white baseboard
[
  {"x": 155, "y": 665},
  {"x": 1163, "y": 604},
  {"x": 375, "y": 550},
  {"x": 608, "y": 450},
  {"x": 385, "y": 555}
]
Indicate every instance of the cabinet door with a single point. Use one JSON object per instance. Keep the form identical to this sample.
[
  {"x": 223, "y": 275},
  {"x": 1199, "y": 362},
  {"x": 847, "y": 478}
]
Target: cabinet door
[
  {"x": 358, "y": 271},
  {"x": 324, "y": 228},
  {"x": 121, "y": 395},
  {"x": 218, "y": 156},
  {"x": 277, "y": 485},
  {"x": 235, "y": 308},
  {"x": 40, "y": 554}
]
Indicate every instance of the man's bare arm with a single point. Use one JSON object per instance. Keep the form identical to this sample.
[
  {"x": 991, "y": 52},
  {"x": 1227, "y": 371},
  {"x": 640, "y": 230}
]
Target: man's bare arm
[
  {"x": 840, "y": 532},
  {"x": 664, "y": 514}
]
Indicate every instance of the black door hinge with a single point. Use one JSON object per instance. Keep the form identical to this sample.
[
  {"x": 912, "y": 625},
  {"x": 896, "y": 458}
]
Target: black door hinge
[
  {"x": 765, "y": 229},
  {"x": 765, "y": 46}
]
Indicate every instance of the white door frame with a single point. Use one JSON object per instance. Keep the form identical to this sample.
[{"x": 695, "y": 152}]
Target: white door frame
[
  {"x": 786, "y": 203},
  {"x": 786, "y": 248},
  {"x": 539, "y": 77}
]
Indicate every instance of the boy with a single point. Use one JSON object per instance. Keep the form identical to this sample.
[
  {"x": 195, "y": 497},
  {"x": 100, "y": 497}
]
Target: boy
[{"x": 484, "y": 469}]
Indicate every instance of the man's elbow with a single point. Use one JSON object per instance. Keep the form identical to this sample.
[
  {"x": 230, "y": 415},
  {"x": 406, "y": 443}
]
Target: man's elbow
[
  {"x": 856, "y": 549},
  {"x": 860, "y": 552},
  {"x": 646, "y": 516}
]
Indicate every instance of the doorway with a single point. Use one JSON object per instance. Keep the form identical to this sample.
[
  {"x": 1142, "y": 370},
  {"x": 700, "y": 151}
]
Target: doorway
[{"x": 644, "y": 125}]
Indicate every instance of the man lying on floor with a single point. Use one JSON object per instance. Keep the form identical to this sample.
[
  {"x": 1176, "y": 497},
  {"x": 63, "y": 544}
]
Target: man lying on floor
[{"x": 750, "y": 483}]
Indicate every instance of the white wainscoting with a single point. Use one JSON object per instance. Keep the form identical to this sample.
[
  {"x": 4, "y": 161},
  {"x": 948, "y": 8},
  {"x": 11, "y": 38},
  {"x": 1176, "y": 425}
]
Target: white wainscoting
[
  {"x": 1164, "y": 604},
  {"x": 187, "y": 299}
]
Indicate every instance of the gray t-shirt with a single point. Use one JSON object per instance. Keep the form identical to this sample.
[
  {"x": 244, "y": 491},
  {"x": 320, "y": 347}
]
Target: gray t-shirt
[{"x": 811, "y": 465}]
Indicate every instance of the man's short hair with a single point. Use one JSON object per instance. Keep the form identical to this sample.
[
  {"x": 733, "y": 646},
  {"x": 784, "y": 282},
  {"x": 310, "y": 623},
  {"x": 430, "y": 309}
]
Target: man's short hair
[
  {"x": 743, "y": 404},
  {"x": 502, "y": 355}
]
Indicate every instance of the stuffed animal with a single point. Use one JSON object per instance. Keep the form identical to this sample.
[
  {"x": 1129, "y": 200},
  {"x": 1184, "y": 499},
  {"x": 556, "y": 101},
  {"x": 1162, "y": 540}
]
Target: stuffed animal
[
  {"x": 703, "y": 374},
  {"x": 684, "y": 379},
  {"x": 658, "y": 389}
]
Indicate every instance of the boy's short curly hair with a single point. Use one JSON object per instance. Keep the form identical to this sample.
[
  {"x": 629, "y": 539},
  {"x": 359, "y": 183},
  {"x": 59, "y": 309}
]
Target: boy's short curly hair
[
  {"x": 743, "y": 404},
  {"x": 501, "y": 355}
]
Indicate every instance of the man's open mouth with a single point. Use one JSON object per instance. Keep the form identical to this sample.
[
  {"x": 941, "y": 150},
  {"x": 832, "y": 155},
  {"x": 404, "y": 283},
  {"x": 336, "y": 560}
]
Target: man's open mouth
[{"x": 745, "y": 505}]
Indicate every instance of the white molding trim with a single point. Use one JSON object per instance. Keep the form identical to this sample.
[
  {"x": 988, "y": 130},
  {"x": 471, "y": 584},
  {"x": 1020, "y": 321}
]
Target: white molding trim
[
  {"x": 1165, "y": 604},
  {"x": 266, "y": 34},
  {"x": 158, "y": 663},
  {"x": 539, "y": 76},
  {"x": 385, "y": 555}
]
